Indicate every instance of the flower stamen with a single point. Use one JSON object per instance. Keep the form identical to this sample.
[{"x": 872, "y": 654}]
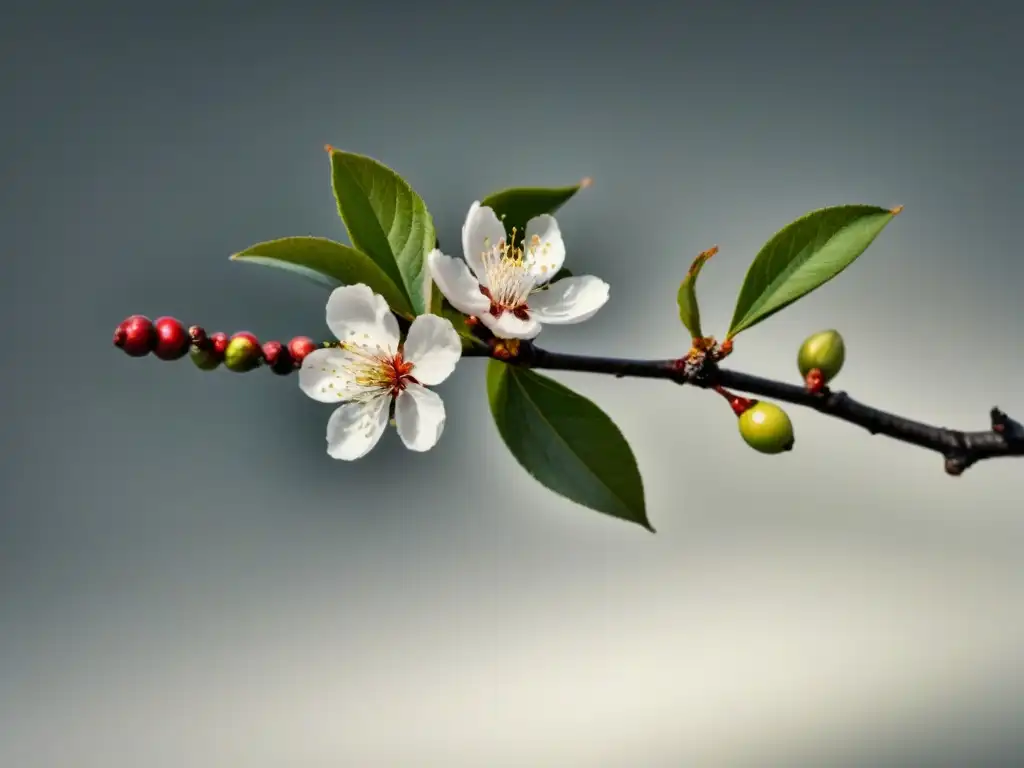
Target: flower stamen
[
  {"x": 509, "y": 281},
  {"x": 374, "y": 372}
]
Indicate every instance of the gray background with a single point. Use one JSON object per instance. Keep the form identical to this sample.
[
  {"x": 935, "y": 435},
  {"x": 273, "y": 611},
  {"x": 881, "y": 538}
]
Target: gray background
[{"x": 188, "y": 580}]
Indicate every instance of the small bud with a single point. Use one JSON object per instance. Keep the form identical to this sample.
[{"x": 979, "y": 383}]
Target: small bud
[
  {"x": 219, "y": 344},
  {"x": 172, "y": 340},
  {"x": 197, "y": 335},
  {"x": 204, "y": 358},
  {"x": 299, "y": 347},
  {"x": 276, "y": 356},
  {"x": 815, "y": 381},
  {"x": 824, "y": 351},
  {"x": 766, "y": 428},
  {"x": 242, "y": 353},
  {"x": 136, "y": 336}
]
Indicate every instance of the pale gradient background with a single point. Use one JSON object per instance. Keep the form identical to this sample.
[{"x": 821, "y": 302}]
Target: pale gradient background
[{"x": 187, "y": 580}]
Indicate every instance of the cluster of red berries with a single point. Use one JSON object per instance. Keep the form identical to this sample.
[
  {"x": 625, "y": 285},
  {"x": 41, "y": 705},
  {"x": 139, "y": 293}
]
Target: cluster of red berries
[{"x": 167, "y": 339}]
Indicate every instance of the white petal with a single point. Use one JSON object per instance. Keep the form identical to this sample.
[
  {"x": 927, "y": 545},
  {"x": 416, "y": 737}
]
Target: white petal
[
  {"x": 548, "y": 255},
  {"x": 326, "y": 376},
  {"x": 433, "y": 347},
  {"x": 457, "y": 283},
  {"x": 570, "y": 300},
  {"x": 356, "y": 427},
  {"x": 358, "y": 315},
  {"x": 481, "y": 232},
  {"x": 419, "y": 417},
  {"x": 508, "y": 326}
]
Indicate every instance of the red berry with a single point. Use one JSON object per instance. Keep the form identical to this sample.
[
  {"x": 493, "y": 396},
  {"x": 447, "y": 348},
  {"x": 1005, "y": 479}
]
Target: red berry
[
  {"x": 299, "y": 347},
  {"x": 136, "y": 336},
  {"x": 276, "y": 356},
  {"x": 219, "y": 343},
  {"x": 272, "y": 351},
  {"x": 172, "y": 339}
]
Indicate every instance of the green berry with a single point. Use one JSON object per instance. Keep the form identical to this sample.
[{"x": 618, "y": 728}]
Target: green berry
[
  {"x": 823, "y": 351},
  {"x": 242, "y": 353},
  {"x": 766, "y": 428},
  {"x": 204, "y": 359}
]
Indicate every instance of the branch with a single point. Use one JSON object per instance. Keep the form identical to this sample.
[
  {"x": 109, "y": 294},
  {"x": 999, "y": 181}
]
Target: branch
[
  {"x": 168, "y": 339},
  {"x": 960, "y": 449}
]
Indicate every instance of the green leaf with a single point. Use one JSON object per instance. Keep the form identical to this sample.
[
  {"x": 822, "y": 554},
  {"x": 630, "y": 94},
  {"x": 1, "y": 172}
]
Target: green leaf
[
  {"x": 518, "y": 205},
  {"x": 327, "y": 263},
  {"x": 689, "y": 310},
  {"x": 386, "y": 220},
  {"x": 803, "y": 256},
  {"x": 565, "y": 442}
]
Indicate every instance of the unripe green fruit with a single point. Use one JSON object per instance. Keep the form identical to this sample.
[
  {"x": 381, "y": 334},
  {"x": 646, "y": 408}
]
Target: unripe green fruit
[
  {"x": 766, "y": 428},
  {"x": 824, "y": 351},
  {"x": 204, "y": 359},
  {"x": 242, "y": 354}
]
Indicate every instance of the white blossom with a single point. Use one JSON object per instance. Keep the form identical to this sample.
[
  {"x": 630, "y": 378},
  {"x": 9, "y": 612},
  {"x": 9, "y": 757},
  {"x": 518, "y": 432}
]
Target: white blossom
[
  {"x": 371, "y": 369},
  {"x": 507, "y": 284}
]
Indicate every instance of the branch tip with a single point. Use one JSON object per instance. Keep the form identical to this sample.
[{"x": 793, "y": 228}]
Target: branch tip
[
  {"x": 897, "y": 210},
  {"x": 1006, "y": 426},
  {"x": 955, "y": 466}
]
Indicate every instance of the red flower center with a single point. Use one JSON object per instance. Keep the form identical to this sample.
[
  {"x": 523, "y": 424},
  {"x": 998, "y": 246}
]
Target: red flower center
[
  {"x": 398, "y": 372},
  {"x": 520, "y": 311}
]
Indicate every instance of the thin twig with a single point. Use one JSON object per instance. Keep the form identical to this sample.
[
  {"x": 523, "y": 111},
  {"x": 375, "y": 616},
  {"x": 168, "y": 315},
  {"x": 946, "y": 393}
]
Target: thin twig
[{"x": 960, "y": 449}]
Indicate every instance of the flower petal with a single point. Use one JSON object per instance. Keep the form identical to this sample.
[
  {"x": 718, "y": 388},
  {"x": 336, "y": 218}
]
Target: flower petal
[
  {"x": 570, "y": 300},
  {"x": 457, "y": 283},
  {"x": 508, "y": 326},
  {"x": 419, "y": 417},
  {"x": 481, "y": 233},
  {"x": 326, "y": 376},
  {"x": 545, "y": 257},
  {"x": 356, "y": 427},
  {"x": 433, "y": 347},
  {"x": 357, "y": 315}
]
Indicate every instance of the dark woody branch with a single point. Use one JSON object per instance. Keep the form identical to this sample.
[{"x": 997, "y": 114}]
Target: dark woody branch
[
  {"x": 960, "y": 449},
  {"x": 168, "y": 339}
]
